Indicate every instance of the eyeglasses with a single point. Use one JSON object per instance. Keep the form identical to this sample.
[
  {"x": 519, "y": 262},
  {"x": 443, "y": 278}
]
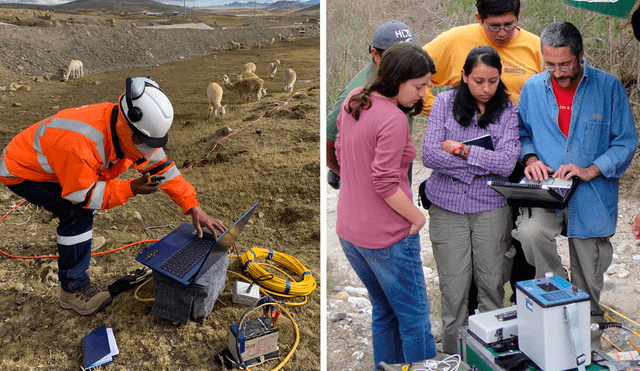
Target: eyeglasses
[
  {"x": 506, "y": 27},
  {"x": 561, "y": 68}
]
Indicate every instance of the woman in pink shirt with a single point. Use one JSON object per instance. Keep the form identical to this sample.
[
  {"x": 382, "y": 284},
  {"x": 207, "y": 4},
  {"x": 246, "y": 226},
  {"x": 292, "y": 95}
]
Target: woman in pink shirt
[{"x": 377, "y": 221}]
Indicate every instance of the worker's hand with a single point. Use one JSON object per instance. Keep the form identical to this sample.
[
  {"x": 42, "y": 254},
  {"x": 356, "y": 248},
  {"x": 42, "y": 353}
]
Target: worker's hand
[
  {"x": 201, "y": 219},
  {"x": 635, "y": 227},
  {"x": 449, "y": 145},
  {"x": 570, "y": 170},
  {"x": 537, "y": 170},
  {"x": 143, "y": 185}
]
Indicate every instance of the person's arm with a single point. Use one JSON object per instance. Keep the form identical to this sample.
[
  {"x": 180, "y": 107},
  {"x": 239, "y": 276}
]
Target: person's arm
[
  {"x": 635, "y": 227},
  {"x": 623, "y": 136},
  {"x": 332, "y": 160},
  {"x": 506, "y": 147},
  {"x": 401, "y": 204},
  {"x": 534, "y": 168},
  {"x": 433, "y": 154}
]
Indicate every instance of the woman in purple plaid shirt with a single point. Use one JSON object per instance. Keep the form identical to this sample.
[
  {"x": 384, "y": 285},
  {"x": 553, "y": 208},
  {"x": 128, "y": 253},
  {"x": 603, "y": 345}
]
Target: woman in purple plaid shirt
[{"x": 470, "y": 224}]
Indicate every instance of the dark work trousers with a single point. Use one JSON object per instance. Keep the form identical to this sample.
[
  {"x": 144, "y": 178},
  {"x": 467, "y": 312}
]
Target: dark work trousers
[{"x": 74, "y": 232}]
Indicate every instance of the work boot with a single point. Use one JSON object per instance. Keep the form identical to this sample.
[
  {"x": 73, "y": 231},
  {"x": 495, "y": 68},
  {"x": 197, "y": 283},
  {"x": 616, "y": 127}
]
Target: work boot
[{"x": 85, "y": 301}]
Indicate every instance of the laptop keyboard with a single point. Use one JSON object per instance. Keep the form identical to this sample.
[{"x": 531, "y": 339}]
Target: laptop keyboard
[{"x": 187, "y": 258}]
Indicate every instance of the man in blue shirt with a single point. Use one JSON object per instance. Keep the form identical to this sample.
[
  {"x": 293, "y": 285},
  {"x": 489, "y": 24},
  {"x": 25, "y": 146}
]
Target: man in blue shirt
[{"x": 575, "y": 121}]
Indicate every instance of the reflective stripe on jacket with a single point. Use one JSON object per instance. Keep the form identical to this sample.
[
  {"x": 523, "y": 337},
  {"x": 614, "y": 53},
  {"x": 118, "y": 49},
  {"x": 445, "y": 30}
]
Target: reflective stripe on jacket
[{"x": 74, "y": 147}]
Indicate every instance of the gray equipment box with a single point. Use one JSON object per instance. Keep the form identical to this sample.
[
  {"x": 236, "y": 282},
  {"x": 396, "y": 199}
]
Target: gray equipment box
[{"x": 179, "y": 303}]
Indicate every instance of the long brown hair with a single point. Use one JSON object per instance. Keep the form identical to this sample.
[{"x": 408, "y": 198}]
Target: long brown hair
[{"x": 400, "y": 63}]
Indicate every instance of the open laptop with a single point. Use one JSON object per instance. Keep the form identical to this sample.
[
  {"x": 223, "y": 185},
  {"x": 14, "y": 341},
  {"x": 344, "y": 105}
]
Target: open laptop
[
  {"x": 553, "y": 193},
  {"x": 183, "y": 257}
]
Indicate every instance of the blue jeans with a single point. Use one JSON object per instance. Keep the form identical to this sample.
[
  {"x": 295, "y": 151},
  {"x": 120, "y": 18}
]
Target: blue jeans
[
  {"x": 74, "y": 232},
  {"x": 400, "y": 319}
]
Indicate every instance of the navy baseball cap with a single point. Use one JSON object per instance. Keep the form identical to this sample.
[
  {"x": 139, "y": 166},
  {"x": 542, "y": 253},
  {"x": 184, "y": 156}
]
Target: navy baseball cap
[{"x": 391, "y": 33}]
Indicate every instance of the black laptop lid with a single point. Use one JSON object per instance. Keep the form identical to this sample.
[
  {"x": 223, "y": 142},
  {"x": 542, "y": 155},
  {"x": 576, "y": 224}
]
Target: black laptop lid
[{"x": 537, "y": 193}]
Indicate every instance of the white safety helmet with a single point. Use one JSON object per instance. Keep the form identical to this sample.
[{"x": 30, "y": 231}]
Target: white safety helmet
[{"x": 147, "y": 110}]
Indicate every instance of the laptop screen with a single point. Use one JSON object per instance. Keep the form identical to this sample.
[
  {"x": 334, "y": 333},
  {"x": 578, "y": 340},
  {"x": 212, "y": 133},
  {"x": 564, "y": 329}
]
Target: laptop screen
[{"x": 224, "y": 242}]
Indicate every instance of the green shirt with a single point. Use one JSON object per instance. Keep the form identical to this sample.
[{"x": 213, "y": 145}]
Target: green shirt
[{"x": 363, "y": 77}]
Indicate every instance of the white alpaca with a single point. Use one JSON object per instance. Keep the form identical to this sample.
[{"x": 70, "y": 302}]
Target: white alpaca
[
  {"x": 272, "y": 68},
  {"x": 75, "y": 70},
  {"x": 289, "y": 80},
  {"x": 214, "y": 94},
  {"x": 248, "y": 75},
  {"x": 250, "y": 67},
  {"x": 246, "y": 88}
]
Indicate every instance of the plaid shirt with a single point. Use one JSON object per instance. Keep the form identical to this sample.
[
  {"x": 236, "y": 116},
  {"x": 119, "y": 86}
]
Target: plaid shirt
[{"x": 459, "y": 185}]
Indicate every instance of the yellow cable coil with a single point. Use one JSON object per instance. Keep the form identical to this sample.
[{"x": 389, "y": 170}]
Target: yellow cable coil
[{"x": 275, "y": 284}]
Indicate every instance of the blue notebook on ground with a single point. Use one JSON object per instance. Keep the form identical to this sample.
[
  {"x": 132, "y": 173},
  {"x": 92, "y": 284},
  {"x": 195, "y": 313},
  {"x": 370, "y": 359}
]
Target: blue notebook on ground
[
  {"x": 98, "y": 348},
  {"x": 182, "y": 256}
]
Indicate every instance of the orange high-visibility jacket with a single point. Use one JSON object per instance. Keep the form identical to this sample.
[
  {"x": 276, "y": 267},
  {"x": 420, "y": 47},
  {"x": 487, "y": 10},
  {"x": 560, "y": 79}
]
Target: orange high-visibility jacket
[{"x": 75, "y": 148}]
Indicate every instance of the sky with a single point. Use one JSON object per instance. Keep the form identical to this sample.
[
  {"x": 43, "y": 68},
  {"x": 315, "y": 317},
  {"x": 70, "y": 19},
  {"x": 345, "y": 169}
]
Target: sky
[{"x": 189, "y": 3}]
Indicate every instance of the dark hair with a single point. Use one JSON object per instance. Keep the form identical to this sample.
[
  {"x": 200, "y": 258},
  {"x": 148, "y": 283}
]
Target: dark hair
[
  {"x": 399, "y": 63},
  {"x": 488, "y": 8},
  {"x": 464, "y": 104},
  {"x": 560, "y": 34}
]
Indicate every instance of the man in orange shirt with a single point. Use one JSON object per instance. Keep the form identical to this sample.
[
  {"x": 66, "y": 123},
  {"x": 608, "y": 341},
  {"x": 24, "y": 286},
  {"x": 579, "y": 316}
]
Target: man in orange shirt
[{"x": 68, "y": 164}]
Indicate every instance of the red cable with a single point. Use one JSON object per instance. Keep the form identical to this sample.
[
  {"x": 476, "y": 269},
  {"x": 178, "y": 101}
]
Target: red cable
[
  {"x": 236, "y": 132},
  {"x": 13, "y": 208}
]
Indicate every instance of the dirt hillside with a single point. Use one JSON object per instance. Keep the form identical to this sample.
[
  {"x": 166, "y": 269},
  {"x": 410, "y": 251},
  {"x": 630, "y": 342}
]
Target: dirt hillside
[{"x": 272, "y": 157}]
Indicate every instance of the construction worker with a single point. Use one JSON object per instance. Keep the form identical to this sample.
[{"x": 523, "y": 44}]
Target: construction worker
[{"x": 68, "y": 164}]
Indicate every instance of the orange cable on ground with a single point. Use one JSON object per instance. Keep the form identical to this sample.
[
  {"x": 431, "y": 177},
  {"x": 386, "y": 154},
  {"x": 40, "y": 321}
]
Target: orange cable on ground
[
  {"x": 13, "y": 208},
  {"x": 94, "y": 254}
]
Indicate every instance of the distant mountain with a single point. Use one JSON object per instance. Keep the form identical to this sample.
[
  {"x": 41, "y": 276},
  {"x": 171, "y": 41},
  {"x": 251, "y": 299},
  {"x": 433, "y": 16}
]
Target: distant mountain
[
  {"x": 115, "y": 6},
  {"x": 111, "y": 5},
  {"x": 278, "y": 4},
  {"x": 239, "y": 4}
]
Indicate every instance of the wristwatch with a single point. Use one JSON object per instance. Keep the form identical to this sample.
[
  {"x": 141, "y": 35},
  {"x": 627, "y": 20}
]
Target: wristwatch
[{"x": 526, "y": 158}]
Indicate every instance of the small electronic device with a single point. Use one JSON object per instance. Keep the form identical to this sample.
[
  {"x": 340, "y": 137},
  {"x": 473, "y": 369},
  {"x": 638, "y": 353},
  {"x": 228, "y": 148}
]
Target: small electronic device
[
  {"x": 496, "y": 325},
  {"x": 155, "y": 180},
  {"x": 256, "y": 339},
  {"x": 554, "y": 323},
  {"x": 245, "y": 293}
]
